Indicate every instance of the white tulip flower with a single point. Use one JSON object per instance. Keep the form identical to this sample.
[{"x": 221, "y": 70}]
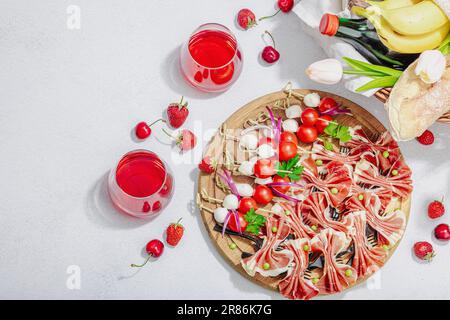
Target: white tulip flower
[
  {"x": 328, "y": 71},
  {"x": 430, "y": 66}
]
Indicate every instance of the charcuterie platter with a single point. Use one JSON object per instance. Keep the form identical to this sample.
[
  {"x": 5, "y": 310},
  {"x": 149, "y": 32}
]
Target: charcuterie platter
[{"x": 313, "y": 222}]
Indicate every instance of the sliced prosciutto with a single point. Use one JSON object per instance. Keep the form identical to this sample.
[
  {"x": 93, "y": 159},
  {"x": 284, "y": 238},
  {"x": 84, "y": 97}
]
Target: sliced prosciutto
[
  {"x": 320, "y": 153},
  {"x": 400, "y": 184},
  {"x": 336, "y": 275},
  {"x": 315, "y": 211},
  {"x": 294, "y": 218},
  {"x": 336, "y": 183},
  {"x": 268, "y": 261},
  {"x": 390, "y": 226},
  {"x": 366, "y": 259},
  {"x": 295, "y": 285}
]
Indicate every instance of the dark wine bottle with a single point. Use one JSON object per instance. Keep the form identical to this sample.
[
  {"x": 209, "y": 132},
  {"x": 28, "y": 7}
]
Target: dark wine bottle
[{"x": 362, "y": 37}]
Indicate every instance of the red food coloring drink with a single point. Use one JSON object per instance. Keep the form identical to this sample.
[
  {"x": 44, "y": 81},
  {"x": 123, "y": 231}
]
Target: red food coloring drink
[
  {"x": 211, "y": 60},
  {"x": 141, "y": 184}
]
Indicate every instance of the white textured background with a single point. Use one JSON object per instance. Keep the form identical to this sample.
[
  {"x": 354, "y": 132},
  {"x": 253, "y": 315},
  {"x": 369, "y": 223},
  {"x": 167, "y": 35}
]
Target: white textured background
[{"x": 68, "y": 102}]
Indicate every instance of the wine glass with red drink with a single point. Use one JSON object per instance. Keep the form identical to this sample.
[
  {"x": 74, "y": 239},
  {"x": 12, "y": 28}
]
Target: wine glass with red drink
[
  {"x": 141, "y": 184},
  {"x": 211, "y": 60}
]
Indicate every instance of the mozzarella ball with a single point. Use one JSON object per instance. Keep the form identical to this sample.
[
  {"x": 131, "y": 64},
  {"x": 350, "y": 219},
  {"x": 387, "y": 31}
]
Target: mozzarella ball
[
  {"x": 290, "y": 125},
  {"x": 249, "y": 141},
  {"x": 294, "y": 111},
  {"x": 244, "y": 189},
  {"x": 265, "y": 151},
  {"x": 220, "y": 214},
  {"x": 312, "y": 100},
  {"x": 231, "y": 202},
  {"x": 246, "y": 168},
  {"x": 277, "y": 208},
  {"x": 263, "y": 181}
]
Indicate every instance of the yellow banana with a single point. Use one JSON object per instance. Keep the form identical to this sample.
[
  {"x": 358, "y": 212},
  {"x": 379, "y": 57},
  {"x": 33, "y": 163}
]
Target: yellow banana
[
  {"x": 401, "y": 43},
  {"x": 393, "y": 4},
  {"x": 411, "y": 44},
  {"x": 420, "y": 18}
]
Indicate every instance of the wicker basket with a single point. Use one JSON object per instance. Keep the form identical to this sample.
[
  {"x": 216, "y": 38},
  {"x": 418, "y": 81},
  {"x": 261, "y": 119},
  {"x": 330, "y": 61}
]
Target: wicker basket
[{"x": 384, "y": 93}]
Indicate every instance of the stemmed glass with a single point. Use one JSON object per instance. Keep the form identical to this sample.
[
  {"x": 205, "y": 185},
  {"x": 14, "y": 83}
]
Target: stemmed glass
[
  {"x": 211, "y": 60},
  {"x": 141, "y": 184}
]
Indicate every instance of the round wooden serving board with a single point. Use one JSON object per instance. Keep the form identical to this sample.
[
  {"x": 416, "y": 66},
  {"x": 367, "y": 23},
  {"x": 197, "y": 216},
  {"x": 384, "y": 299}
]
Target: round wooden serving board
[{"x": 236, "y": 121}]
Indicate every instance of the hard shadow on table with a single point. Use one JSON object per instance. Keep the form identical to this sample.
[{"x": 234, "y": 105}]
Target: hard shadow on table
[
  {"x": 102, "y": 212},
  {"x": 171, "y": 75}
]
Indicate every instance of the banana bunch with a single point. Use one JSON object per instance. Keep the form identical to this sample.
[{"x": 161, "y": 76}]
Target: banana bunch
[{"x": 407, "y": 26}]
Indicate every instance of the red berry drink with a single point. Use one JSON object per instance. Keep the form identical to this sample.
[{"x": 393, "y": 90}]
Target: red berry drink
[
  {"x": 211, "y": 60},
  {"x": 141, "y": 184}
]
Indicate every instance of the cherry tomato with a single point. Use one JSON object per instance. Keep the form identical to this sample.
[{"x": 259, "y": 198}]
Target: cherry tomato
[
  {"x": 287, "y": 151},
  {"x": 287, "y": 136},
  {"x": 232, "y": 222},
  {"x": 307, "y": 134},
  {"x": 323, "y": 122},
  {"x": 246, "y": 204},
  {"x": 282, "y": 189},
  {"x": 266, "y": 140},
  {"x": 263, "y": 195},
  {"x": 309, "y": 116},
  {"x": 264, "y": 168},
  {"x": 326, "y": 104}
]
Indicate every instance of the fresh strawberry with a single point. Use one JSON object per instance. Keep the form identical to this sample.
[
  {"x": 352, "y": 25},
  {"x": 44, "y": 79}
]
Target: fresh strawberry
[
  {"x": 177, "y": 113},
  {"x": 246, "y": 19},
  {"x": 186, "y": 140},
  {"x": 207, "y": 165},
  {"x": 436, "y": 209},
  {"x": 426, "y": 138},
  {"x": 174, "y": 233},
  {"x": 424, "y": 250}
]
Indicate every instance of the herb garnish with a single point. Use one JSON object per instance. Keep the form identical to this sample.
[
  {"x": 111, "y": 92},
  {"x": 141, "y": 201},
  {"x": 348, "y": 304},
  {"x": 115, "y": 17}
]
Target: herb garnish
[
  {"x": 338, "y": 131},
  {"x": 290, "y": 168},
  {"x": 255, "y": 221}
]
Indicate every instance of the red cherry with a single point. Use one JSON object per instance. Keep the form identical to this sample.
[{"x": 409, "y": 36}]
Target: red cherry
[
  {"x": 285, "y": 5},
  {"x": 143, "y": 131},
  {"x": 269, "y": 53},
  {"x": 154, "y": 248},
  {"x": 442, "y": 232}
]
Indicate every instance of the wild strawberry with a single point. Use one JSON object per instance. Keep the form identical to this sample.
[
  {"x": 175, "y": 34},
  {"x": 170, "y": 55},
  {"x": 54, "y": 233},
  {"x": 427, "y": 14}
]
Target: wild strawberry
[
  {"x": 436, "y": 209},
  {"x": 246, "y": 19},
  {"x": 174, "y": 233},
  {"x": 185, "y": 140},
  {"x": 177, "y": 113},
  {"x": 426, "y": 138},
  {"x": 424, "y": 250},
  {"x": 207, "y": 165}
]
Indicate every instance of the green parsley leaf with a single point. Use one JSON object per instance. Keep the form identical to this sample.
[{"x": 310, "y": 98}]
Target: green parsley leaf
[
  {"x": 328, "y": 145},
  {"x": 338, "y": 131},
  {"x": 255, "y": 221}
]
